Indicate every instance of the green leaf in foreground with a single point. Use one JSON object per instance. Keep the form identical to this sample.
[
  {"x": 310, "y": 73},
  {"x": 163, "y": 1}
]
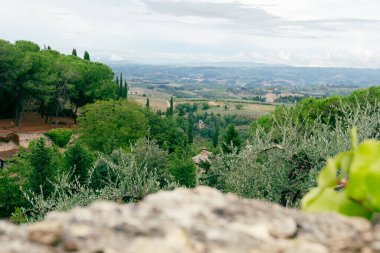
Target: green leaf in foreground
[{"x": 348, "y": 184}]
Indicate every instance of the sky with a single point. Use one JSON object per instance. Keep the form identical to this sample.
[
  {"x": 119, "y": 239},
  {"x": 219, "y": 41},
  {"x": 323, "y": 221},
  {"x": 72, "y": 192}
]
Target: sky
[{"x": 323, "y": 33}]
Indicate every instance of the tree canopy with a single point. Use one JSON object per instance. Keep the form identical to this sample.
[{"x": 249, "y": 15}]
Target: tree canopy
[{"x": 31, "y": 76}]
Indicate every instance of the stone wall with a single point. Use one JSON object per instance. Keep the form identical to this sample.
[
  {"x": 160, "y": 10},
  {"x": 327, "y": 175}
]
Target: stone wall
[{"x": 201, "y": 220}]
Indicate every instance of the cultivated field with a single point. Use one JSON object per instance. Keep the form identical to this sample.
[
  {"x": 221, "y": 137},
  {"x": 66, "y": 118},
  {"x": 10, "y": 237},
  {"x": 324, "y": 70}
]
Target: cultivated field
[{"x": 160, "y": 101}]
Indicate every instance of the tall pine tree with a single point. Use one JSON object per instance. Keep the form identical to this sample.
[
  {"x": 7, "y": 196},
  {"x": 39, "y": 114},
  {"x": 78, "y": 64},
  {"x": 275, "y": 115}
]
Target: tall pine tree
[
  {"x": 41, "y": 168},
  {"x": 170, "y": 110},
  {"x": 147, "y": 103},
  {"x": 190, "y": 132},
  {"x": 121, "y": 81},
  {"x": 119, "y": 93},
  {"x": 215, "y": 137},
  {"x": 231, "y": 140},
  {"x": 86, "y": 56},
  {"x": 79, "y": 160},
  {"x": 74, "y": 52},
  {"x": 125, "y": 89}
]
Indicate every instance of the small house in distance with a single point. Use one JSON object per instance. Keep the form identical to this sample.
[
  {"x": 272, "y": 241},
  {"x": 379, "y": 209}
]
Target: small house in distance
[{"x": 203, "y": 157}]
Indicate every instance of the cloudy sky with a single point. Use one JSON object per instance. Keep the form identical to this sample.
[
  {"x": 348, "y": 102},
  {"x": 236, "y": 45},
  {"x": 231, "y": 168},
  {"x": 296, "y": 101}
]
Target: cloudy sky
[{"x": 343, "y": 33}]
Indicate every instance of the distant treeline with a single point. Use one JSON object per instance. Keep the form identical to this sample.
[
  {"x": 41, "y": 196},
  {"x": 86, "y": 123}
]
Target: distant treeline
[
  {"x": 48, "y": 81},
  {"x": 327, "y": 110}
]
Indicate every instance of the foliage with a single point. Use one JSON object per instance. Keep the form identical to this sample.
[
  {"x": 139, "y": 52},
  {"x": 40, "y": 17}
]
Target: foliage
[
  {"x": 60, "y": 136},
  {"x": 349, "y": 182},
  {"x": 147, "y": 105},
  {"x": 231, "y": 138},
  {"x": 79, "y": 160},
  {"x": 125, "y": 180},
  {"x": 74, "y": 52},
  {"x": 108, "y": 125},
  {"x": 43, "y": 169},
  {"x": 18, "y": 216},
  {"x": 205, "y": 106},
  {"x": 170, "y": 110},
  {"x": 86, "y": 56},
  {"x": 215, "y": 137},
  {"x": 11, "y": 179},
  {"x": 183, "y": 170},
  {"x": 326, "y": 109},
  {"x": 148, "y": 154},
  {"x": 281, "y": 165},
  {"x": 186, "y": 107},
  {"x": 168, "y": 132},
  {"x": 29, "y": 76}
]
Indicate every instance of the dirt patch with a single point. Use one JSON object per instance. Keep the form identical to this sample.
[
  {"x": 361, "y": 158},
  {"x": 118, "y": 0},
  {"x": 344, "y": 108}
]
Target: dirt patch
[
  {"x": 33, "y": 123},
  {"x": 7, "y": 154},
  {"x": 24, "y": 140}
]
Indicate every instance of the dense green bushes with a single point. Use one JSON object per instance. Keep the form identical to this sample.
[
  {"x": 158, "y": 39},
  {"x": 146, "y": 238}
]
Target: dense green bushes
[
  {"x": 327, "y": 110},
  {"x": 281, "y": 164},
  {"x": 60, "y": 136},
  {"x": 79, "y": 160},
  {"x": 120, "y": 176},
  {"x": 44, "y": 166},
  {"x": 108, "y": 125},
  {"x": 184, "y": 171}
]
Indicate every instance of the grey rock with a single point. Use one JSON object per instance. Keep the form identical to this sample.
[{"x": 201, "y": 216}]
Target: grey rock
[{"x": 200, "y": 220}]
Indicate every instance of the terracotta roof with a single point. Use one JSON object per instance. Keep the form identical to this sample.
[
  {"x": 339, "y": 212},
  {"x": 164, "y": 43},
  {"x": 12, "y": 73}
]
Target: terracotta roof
[{"x": 204, "y": 156}]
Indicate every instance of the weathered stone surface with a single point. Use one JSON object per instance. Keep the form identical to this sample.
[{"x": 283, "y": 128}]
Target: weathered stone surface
[
  {"x": 48, "y": 233},
  {"x": 201, "y": 220}
]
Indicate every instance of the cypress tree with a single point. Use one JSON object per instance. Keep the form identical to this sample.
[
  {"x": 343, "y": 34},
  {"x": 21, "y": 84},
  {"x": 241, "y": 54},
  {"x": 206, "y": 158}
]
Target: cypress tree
[
  {"x": 41, "y": 169},
  {"x": 120, "y": 92},
  {"x": 231, "y": 138},
  {"x": 121, "y": 80},
  {"x": 215, "y": 138},
  {"x": 170, "y": 111},
  {"x": 147, "y": 103},
  {"x": 181, "y": 112},
  {"x": 86, "y": 56},
  {"x": 79, "y": 159},
  {"x": 126, "y": 89},
  {"x": 74, "y": 52},
  {"x": 190, "y": 132}
]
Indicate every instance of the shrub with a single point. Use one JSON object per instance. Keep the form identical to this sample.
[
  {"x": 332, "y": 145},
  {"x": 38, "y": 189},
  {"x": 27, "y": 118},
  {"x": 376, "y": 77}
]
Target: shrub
[
  {"x": 79, "y": 161},
  {"x": 183, "y": 170},
  {"x": 231, "y": 139},
  {"x": 205, "y": 106},
  {"x": 148, "y": 154},
  {"x": 11, "y": 180},
  {"x": 281, "y": 165},
  {"x": 108, "y": 125},
  {"x": 45, "y": 163},
  {"x": 60, "y": 136},
  {"x": 18, "y": 216},
  {"x": 123, "y": 181}
]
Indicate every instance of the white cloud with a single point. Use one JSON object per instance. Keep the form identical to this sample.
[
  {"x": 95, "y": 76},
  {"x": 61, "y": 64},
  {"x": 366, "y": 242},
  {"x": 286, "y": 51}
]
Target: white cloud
[{"x": 296, "y": 32}]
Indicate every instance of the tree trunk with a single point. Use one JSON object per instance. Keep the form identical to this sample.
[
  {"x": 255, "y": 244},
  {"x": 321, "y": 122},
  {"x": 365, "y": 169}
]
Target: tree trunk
[
  {"x": 42, "y": 108},
  {"x": 75, "y": 115}
]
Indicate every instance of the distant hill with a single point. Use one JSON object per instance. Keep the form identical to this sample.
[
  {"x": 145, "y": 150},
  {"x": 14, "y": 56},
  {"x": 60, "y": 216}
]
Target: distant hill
[{"x": 252, "y": 74}]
